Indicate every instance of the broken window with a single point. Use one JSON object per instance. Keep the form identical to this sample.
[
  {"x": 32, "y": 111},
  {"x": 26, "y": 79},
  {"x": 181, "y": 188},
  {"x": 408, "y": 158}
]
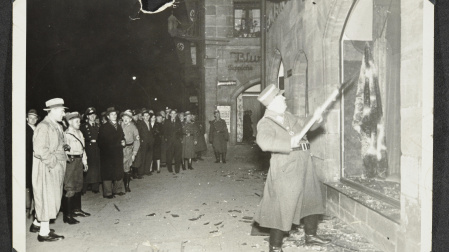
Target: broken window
[{"x": 371, "y": 126}]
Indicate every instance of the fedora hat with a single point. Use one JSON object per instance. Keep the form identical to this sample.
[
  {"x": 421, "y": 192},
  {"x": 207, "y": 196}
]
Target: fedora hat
[
  {"x": 72, "y": 115},
  {"x": 54, "y": 103},
  {"x": 110, "y": 110},
  {"x": 268, "y": 94},
  {"x": 33, "y": 112}
]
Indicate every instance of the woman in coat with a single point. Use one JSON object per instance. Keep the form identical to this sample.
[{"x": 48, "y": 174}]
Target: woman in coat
[
  {"x": 201, "y": 145},
  {"x": 156, "y": 126},
  {"x": 292, "y": 190},
  {"x": 189, "y": 140}
]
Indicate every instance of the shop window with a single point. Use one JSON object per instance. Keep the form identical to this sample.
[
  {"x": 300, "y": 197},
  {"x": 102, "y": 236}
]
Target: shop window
[
  {"x": 371, "y": 126},
  {"x": 246, "y": 19}
]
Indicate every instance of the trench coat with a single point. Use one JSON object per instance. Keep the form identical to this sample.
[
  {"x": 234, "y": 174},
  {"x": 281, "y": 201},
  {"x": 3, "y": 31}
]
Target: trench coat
[
  {"x": 219, "y": 135},
  {"x": 49, "y": 164},
  {"x": 111, "y": 151},
  {"x": 201, "y": 145},
  {"x": 292, "y": 190},
  {"x": 190, "y": 135},
  {"x": 90, "y": 134}
]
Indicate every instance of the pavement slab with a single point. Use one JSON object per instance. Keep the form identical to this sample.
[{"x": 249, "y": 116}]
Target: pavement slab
[{"x": 209, "y": 208}]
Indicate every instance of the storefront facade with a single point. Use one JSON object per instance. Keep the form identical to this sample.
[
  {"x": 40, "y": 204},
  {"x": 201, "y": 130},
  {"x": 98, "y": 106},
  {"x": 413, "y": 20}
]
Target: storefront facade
[
  {"x": 373, "y": 153},
  {"x": 232, "y": 62}
]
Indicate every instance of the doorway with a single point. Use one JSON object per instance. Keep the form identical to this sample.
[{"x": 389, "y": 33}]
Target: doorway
[{"x": 249, "y": 112}]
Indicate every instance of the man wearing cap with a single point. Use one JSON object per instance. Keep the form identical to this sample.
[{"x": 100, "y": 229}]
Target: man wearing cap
[
  {"x": 138, "y": 159},
  {"x": 90, "y": 132},
  {"x": 132, "y": 144},
  {"x": 111, "y": 141},
  {"x": 218, "y": 137},
  {"x": 76, "y": 164},
  {"x": 32, "y": 118},
  {"x": 172, "y": 136},
  {"x": 201, "y": 145},
  {"x": 292, "y": 191},
  {"x": 49, "y": 164}
]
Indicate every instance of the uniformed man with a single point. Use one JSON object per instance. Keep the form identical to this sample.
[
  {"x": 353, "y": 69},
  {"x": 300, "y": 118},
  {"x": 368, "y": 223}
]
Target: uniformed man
[
  {"x": 32, "y": 118},
  {"x": 76, "y": 164},
  {"x": 111, "y": 141},
  {"x": 135, "y": 166},
  {"x": 146, "y": 144},
  {"x": 132, "y": 144},
  {"x": 49, "y": 164},
  {"x": 292, "y": 191},
  {"x": 90, "y": 132},
  {"x": 218, "y": 137},
  {"x": 190, "y": 133}
]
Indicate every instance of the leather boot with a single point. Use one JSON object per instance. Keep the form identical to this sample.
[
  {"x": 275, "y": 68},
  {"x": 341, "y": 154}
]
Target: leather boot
[
  {"x": 68, "y": 217},
  {"x": 217, "y": 157},
  {"x": 127, "y": 179},
  {"x": 310, "y": 228},
  {"x": 190, "y": 164},
  {"x": 223, "y": 157},
  {"x": 77, "y": 206},
  {"x": 276, "y": 237}
]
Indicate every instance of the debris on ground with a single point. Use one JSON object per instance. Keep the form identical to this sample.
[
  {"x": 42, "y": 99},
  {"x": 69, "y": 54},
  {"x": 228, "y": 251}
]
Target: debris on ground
[
  {"x": 151, "y": 214},
  {"x": 197, "y": 218},
  {"x": 175, "y": 215},
  {"x": 116, "y": 207}
]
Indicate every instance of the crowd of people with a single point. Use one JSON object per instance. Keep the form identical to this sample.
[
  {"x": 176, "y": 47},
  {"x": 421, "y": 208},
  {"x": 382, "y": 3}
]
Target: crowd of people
[{"x": 71, "y": 153}]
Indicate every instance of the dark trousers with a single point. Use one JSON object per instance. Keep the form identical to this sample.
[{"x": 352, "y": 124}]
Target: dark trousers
[
  {"x": 95, "y": 187},
  {"x": 174, "y": 150},
  {"x": 147, "y": 158}
]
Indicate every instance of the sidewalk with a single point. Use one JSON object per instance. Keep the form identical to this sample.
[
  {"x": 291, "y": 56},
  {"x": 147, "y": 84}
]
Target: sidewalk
[{"x": 207, "y": 209}]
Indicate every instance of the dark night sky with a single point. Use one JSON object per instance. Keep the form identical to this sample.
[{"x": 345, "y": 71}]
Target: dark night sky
[{"x": 86, "y": 52}]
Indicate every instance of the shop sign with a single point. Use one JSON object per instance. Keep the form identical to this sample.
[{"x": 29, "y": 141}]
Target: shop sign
[
  {"x": 227, "y": 83},
  {"x": 225, "y": 113}
]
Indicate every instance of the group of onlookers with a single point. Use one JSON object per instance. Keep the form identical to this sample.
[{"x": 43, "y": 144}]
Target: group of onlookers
[{"x": 70, "y": 153}]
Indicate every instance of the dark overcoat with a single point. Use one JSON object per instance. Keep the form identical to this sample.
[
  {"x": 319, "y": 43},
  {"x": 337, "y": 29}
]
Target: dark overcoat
[
  {"x": 111, "y": 151},
  {"x": 90, "y": 134},
  {"x": 292, "y": 190},
  {"x": 201, "y": 145},
  {"x": 29, "y": 156},
  {"x": 190, "y": 136},
  {"x": 157, "y": 134},
  {"x": 219, "y": 135}
]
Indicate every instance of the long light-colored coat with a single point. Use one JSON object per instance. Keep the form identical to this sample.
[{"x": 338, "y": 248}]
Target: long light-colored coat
[
  {"x": 292, "y": 190},
  {"x": 49, "y": 164}
]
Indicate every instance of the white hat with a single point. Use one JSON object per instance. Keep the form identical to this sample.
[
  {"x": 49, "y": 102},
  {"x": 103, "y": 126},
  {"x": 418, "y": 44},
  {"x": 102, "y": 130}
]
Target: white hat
[{"x": 54, "y": 103}]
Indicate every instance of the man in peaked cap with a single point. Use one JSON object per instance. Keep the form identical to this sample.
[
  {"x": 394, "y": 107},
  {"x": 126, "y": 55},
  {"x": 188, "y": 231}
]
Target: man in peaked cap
[
  {"x": 90, "y": 132},
  {"x": 132, "y": 144},
  {"x": 49, "y": 164},
  {"x": 218, "y": 137},
  {"x": 76, "y": 164},
  {"x": 292, "y": 191},
  {"x": 32, "y": 118},
  {"x": 111, "y": 141}
]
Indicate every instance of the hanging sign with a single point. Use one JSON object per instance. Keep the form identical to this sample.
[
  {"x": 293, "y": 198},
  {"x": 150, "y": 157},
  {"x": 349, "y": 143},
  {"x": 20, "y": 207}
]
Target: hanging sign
[{"x": 227, "y": 83}]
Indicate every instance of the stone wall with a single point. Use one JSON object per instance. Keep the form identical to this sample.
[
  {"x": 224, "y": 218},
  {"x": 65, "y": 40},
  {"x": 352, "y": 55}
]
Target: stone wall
[{"x": 227, "y": 59}]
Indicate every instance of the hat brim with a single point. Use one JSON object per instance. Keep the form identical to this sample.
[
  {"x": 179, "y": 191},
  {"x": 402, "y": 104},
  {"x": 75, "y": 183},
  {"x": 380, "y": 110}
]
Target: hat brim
[
  {"x": 48, "y": 109},
  {"x": 33, "y": 114},
  {"x": 130, "y": 116}
]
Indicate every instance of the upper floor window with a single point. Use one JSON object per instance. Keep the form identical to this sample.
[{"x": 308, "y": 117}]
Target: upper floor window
[{"x": 246, "y": 20}]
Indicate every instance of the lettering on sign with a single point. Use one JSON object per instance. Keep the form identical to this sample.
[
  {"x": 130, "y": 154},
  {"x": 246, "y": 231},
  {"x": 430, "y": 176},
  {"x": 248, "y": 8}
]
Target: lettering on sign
[
  {"x": 241, "y": 57},
  {"x": 225, "y": 113},
  {"x": 240, "y": 68}
]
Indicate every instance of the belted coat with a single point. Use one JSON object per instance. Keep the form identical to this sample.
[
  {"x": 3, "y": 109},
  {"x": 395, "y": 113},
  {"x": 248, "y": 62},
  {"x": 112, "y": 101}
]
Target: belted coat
[
  {"x": 49, "y": 165},
  {"x": 292, "y": 190},
  {"x": 90, "y": 133},
  {"x": 219, "y": 135}
]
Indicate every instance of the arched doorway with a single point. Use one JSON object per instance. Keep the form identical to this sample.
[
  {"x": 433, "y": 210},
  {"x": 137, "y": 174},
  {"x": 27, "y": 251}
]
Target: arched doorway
[{"x": 246, "y": 90}]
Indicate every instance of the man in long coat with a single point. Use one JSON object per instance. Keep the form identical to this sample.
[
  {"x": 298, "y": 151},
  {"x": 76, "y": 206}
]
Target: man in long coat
[
  {"x": 218, "y": 137},
  {"x": 173, "y": 136},
  {"x": 49, "y": 164},
  {"x": 147, "y": 142},
  {"x": 111, "y": 141},
  {"x": 90, "y": 132},
  {"x": 292, "y": 190},
  {"x": 201, "y": 145},
  {"x": 132, "y": 144}
]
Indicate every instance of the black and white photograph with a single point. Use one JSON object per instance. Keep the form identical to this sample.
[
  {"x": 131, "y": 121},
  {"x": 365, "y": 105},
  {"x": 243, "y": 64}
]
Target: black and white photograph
[{"x": 222, "y": 125}]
